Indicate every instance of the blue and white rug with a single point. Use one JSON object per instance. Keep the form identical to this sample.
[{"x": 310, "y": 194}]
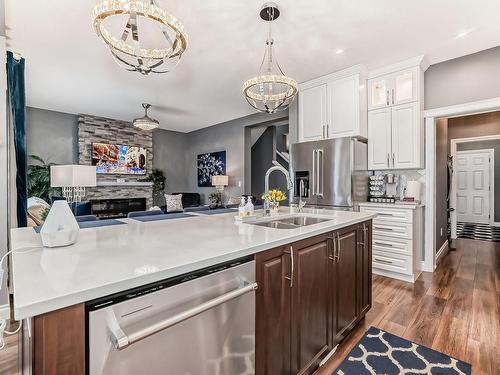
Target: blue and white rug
[{"x": 379, "y": 352}]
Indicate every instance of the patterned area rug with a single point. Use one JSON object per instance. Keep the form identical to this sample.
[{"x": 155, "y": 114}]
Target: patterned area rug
[
  {"x": 379, "y": 352},
  {"x": 478, "y": 232}
]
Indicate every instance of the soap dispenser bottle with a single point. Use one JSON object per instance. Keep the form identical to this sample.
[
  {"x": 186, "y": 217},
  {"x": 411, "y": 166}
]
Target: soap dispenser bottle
[{"x": 242, "y": 208}]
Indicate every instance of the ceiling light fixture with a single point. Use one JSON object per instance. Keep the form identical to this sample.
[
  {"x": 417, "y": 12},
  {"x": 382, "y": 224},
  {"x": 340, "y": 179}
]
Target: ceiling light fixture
[
  {"x": 128, "y": 48},
  {"x": 146, "y": 122},
  {"x": 271, "y": 90},
  {"x": 339, "y": 51}
]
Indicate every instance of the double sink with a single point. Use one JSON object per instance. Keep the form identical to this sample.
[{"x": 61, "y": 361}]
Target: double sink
[{"x": 292, "y": 222}]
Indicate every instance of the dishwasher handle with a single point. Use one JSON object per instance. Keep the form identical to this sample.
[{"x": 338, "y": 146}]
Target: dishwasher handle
[{"x": 120, "y": 340}]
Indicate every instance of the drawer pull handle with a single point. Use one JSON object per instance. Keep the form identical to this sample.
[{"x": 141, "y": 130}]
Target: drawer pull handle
[
  {"x": 383, "y": 244},
  {"x": 382, "y": 214},
  {"x": 379, "y": 228},
  {"x": 383, "y": 261}
]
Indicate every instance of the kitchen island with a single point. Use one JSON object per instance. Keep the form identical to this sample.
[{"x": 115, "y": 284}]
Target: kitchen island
[{"x": 331, "y": 260}]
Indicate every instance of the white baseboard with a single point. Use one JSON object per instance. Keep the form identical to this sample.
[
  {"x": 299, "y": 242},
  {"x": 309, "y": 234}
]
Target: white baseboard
[
  {"x": 442, "y": 251},
  {"x": 5, "y": 312}
]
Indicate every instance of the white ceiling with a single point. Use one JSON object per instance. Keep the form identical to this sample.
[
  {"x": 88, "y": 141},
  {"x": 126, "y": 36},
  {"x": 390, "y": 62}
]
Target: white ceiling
[{"x": 70, "y": 70}]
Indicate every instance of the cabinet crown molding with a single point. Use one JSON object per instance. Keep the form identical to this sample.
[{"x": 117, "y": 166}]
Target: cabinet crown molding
[
  {"x": 356, "y": 69},
  {"x": 419, "y": 61}
]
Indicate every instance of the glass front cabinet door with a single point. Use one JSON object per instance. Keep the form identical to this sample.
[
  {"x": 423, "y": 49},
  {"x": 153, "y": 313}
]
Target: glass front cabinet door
[
  {"x": 393, "y": 89},
  {"x": 378, "y": 93}
]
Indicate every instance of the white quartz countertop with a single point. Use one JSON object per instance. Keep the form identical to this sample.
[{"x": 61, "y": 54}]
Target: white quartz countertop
[
  {"x": 408, "y": 206},
  {"x": 107, "y": 260}
]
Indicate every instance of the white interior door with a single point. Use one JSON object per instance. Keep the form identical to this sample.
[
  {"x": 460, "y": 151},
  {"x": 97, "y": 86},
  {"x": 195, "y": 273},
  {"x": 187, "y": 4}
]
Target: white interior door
[{"x": 473, "y": 183}]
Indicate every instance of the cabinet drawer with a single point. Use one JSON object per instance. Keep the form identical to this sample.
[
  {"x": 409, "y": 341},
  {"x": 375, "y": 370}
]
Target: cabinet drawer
[
  {"x": 392, "y": 262},
  {"x": 390, "y": 214},
  {"x": 397, "y": 230},
  {"x": 392, "y": 245}
]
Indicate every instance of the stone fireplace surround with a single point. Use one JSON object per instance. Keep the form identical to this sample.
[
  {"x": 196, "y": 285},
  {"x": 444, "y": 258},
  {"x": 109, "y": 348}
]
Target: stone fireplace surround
[{"x": 98, "y": 129}]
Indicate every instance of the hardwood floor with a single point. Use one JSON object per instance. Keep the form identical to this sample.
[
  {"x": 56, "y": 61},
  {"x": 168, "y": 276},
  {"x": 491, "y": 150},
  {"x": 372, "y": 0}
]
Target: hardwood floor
[{"x": 455, "y": 310}]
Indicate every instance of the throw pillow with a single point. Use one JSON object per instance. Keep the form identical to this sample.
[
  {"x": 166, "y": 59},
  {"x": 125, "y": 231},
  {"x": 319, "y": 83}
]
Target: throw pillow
[
  {"x": 37, "y": 209},
  {"x": 174, "y": 202}
]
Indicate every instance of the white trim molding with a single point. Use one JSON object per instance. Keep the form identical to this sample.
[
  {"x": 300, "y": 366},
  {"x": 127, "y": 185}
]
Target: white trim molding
[
  {"x": 443, "y": 250},
  {"x": 431, "y": 116}
]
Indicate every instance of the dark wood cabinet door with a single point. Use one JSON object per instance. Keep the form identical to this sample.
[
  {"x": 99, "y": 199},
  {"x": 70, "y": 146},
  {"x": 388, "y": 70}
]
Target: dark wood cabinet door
[
  {"x": 309, "y": 304},
  {"x": 365, "y": 267},
  {"x": 345, "y": 311},
  {"x": 272, "y": 325}
]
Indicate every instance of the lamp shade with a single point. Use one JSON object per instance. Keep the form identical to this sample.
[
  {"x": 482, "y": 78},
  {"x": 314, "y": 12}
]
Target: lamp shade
[
  {"x": 220, "y": 180},
  {"x": 72, "y": 176}
]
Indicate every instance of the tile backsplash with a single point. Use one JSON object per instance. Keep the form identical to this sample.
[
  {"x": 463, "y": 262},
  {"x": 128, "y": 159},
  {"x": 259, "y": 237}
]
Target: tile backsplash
[{"x": 403, "y": 176}]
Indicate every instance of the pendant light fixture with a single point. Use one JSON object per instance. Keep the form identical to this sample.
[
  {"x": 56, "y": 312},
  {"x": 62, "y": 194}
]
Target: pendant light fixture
[
  {"x": 146, "y": 122},
  {"x": 129, "y": 46},
  {"x": 271, "y": 90}
]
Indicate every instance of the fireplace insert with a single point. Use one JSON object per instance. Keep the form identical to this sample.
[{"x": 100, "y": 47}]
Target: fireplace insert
[{"x": 116, "y": 207}]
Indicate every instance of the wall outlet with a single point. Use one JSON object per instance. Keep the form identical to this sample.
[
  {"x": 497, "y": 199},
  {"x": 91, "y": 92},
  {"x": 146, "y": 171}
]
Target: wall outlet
[
  {"x": 239, "y": 184},
  {"x": 441, "y": 232}
]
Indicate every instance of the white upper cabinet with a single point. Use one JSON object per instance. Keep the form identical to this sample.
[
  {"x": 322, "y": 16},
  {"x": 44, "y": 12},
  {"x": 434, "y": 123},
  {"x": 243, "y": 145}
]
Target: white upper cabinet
[
  {"x": 393, "y": 89},
  {"x": 395, "y": 123},
  {"x": 312, "y": 113},
  {"x": 333, "y": 106}
]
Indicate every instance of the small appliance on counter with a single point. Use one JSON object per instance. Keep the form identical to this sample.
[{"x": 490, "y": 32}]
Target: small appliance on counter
[
  {"x": 382, "y": 189},
  {"x": 412, "y": 191}
]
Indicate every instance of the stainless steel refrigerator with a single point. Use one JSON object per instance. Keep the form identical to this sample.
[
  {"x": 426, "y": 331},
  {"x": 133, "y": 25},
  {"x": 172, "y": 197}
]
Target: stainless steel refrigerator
[{"x": 331, "y": 172}]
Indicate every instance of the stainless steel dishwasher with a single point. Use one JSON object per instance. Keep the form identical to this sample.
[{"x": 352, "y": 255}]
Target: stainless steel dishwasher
[{"x": 201, "y": 323}]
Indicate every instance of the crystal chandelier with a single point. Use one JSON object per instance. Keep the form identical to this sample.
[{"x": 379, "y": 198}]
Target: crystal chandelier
[
  {"x": 146, "y": 122},
  {"x": 271, "y": 90},
  {"x": 129, "y": 46}
]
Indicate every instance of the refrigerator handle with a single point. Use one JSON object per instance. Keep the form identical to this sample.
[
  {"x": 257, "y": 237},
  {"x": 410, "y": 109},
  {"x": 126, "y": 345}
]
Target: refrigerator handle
[
  {"x": 321, "y": 172},
  {"x": 313, "y": 177}
]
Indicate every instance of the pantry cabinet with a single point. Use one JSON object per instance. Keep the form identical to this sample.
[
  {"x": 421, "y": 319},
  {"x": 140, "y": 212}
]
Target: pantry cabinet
[
  {"x": 333, "y": 106},
  {"x": 395, "y": 122},
  {"x": 311, "y": 294}
]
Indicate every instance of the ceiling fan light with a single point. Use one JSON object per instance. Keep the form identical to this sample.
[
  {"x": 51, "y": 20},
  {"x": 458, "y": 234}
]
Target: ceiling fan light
[{"x": 146, "y": 123}]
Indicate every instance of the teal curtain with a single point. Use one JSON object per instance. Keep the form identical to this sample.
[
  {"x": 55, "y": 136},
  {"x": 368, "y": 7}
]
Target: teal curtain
[{"x": 17, "y": 101}]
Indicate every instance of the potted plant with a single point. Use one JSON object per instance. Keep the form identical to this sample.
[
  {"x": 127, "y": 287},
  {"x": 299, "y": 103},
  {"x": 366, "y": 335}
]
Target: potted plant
[
  {"x": 215, "y": 200},
  {"x": 39, "y": 180},
  {"x": 158, "y": 179}
]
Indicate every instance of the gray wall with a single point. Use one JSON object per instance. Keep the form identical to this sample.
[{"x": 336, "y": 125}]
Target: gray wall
[
  {"x": 170, "y": 156},
  {"x": 52, "y": 135},
  {"x": 494, "y": 144},
  {"x": 441, "y": 182},
  {"x": 234, "y": 137},
  {"x": 464, "y": 79}
]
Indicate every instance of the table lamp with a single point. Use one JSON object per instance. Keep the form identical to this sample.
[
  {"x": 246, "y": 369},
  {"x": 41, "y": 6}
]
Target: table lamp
[
  {"x": 60, "y": 228},
  {"x": 220, "y": 182}
]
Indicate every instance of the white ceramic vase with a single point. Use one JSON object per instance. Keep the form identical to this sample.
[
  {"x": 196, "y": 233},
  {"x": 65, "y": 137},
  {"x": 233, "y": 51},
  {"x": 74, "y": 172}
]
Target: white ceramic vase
[{"x": 60, "y": 228}]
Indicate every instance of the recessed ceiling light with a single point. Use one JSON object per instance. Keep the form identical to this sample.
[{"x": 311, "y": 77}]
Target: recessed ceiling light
[
  {"x": 462, "y": 34},
  {"x": 339, "y": 51}
]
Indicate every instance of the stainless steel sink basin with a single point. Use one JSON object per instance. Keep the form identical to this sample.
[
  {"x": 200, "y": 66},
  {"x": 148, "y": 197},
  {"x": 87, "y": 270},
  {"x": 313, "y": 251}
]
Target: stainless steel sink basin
[{"x": 291, "y": 222}]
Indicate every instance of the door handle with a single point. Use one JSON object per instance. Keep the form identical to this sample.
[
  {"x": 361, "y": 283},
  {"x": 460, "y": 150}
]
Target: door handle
[
  {"x": 121, "y": 340},
  {"x": 338, "y": 247},
  {"x": 332, "y": 256},
  {"x": 313, "y": 177},
  {"x": 393, "y": 159},
  {"x": 387, "y": 97},
  {"x": 320, "y": 172},
  {"x": 324, "y": 131},
  {"x": 327, "y": 130},
  {"x": 292, "y": 268},
  {"x": 392, "y": 96},
  {"x": 388, "y": 157}
]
